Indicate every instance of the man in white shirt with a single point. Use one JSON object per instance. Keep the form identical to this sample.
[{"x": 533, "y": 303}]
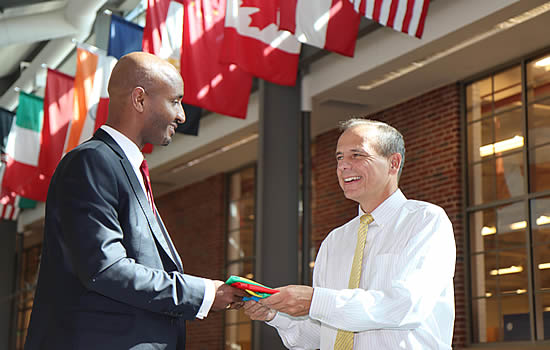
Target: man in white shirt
[
  {"x": 110, "y": 277},
  {"x": 402, "y": 296}
]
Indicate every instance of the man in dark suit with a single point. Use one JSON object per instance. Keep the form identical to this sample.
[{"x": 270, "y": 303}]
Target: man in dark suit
[{"x": 110, "y": 277}]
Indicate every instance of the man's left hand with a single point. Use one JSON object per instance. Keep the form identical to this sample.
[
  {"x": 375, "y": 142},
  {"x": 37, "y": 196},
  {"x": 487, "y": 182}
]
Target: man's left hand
[{"x": 292, "y": 300}]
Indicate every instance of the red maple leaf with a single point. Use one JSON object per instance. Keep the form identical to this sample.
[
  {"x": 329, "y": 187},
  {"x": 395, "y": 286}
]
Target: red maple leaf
[{"x": 266, "y": 14}]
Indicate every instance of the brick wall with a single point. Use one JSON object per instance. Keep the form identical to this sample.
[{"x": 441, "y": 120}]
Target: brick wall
[
  {"x": 430, "y": 125},
  {"x": 195, "y": 218}
]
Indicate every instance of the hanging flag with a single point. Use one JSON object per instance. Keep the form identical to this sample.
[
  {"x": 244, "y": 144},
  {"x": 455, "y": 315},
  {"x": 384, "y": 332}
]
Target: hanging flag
[
  {"x": 162, "y": 36},
  {"x": 252, "y": 40},
  {"x": 407, "y": 16},
  {"x": 12, "y": 204},
  {"x": 91, "y": 101},
  {"x": 124, "y": 37},
  {"x": 219, "y": 87},
  {"x": 22, "y": 174},
  {"x": 328, "y": 24},
  {"x": 192, "y": 120},
  {"x": 6, "y": 120},
  {"x": 58, "y": 112}
]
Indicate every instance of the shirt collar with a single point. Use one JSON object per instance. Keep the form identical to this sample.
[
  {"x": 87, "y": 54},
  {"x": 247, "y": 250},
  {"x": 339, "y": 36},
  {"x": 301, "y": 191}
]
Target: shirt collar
[
  {"x": 129, "y": 148},
  {"x": 386, "y": 210}
]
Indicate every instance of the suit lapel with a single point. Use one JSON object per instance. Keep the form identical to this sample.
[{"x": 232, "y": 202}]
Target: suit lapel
[{"x": 140, "y": 196}]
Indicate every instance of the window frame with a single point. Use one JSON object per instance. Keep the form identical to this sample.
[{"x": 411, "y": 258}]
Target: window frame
[{"x": 536, "y": 328}]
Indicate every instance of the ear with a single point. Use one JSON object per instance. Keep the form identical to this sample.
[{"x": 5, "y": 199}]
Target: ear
[
  {"x": 138, "y": 98},
  {"x": 395, "y": 163}
]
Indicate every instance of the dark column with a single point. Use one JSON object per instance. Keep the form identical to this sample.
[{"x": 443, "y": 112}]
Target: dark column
[
  {"x": 306, "y": 197},
  {"x": 277, "y": 195},
  {"x": 8, "y": 234}
]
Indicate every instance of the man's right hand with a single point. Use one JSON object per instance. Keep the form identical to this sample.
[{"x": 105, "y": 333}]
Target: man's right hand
[
  {"x": 227, "y": 297},
  {"x": 259, "y": 312}
]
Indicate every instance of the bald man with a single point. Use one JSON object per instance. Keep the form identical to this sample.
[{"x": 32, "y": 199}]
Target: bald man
[{"x": 110, "y": 277}]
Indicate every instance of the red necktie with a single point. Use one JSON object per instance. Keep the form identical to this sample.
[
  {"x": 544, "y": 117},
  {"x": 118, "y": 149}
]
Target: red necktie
[{"x": 144, "y": 168}]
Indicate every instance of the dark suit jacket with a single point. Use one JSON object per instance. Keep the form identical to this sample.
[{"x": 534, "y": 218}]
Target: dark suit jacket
[{"x": 107, "y": 279}]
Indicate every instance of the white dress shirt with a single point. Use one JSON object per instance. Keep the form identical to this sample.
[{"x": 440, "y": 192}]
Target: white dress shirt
[
  {"x": 405, "y": 298},
  {"x": 135, "y": 157}
]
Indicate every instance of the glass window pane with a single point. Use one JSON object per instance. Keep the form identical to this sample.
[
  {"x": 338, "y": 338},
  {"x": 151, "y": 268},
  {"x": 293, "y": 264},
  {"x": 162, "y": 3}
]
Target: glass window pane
[
  {"x": 240, "y": 251},
  {"x": 483, "y": 283},
  {"x": 511, "y": 272},
  {"x": 498, "y": 228},
  {"x": 511, "y": 225},
  {"x": 509, "y": 176},
  {"x": 516, "y": 320},
  {"x": 538, "y": 78},
  {"x": 480, "y": 134},
  {"x": 542, "y": 267},
  {"x": 508, "y": 131},
  {"x": 507, "y": 89},
  {"x": 483, "y": 230},
  {"x": 238, "y": 337},
  {"x": 482, "y": 182},
  {"x": 486, "y": 323},
  {"x": 543, "y": 316},
  {"x": 540, "y": 220},
  {"x": 539, "y": 165},
  {"x": 240, "y": 243},
  {"x": 479, "y": 99},
  {"x": 539, "y": 122}
]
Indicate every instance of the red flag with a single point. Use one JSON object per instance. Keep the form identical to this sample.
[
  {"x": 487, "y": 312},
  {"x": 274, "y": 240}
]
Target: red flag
[
  {"x": 253, "y": 41},
  {"x": 58, "y": 112},
  {"x": 407, "y": 16},
  {"x": 162, "y": 34},
  {"x": 328, "y": 24},
  {"x": 219, "y": 87}
]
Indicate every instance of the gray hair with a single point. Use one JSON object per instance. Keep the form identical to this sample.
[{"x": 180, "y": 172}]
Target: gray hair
[{"x": 388, "y": 139}]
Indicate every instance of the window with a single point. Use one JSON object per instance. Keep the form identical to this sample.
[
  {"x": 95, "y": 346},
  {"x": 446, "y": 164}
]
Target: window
[
  {"x": 25, "y": 291},
  {"x": 240, "y": 250},
  {"x": 508, "y": 211}
]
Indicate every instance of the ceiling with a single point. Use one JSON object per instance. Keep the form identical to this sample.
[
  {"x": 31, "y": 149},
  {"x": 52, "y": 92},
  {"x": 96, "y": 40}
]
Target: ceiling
[
  {"x": 55, "y": 19},
  {"x": 329, "y": 106}
]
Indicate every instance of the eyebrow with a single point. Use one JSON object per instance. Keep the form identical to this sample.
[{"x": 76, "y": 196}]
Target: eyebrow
[{"x": 352, "y": 150}]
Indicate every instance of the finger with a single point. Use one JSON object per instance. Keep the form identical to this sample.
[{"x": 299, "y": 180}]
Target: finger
[{"x": 238, "y": 305}]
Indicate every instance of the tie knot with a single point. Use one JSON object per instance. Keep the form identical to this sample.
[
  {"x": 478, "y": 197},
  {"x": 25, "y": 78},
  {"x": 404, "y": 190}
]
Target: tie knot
[{"x": 366, "y": 219}]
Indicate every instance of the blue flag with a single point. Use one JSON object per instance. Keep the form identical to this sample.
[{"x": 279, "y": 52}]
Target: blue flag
[
  {"x": 124, "y": 37},
  {"x": 6, "y": 119}
]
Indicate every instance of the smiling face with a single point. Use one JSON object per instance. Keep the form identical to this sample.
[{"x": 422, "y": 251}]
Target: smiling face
[
  {"x": 164, "y": 110},
  {"x": 364, "y": 175}
]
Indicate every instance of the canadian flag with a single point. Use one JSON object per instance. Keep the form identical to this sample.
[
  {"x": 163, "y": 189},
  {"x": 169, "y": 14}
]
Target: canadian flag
[
  {"x": 328, "y": 24},
  {"x": 253, "y": 41}
]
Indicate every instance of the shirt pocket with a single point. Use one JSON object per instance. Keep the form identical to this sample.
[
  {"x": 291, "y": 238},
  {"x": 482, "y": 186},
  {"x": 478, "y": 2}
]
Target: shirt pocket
[{"x": 382, "y": 272}]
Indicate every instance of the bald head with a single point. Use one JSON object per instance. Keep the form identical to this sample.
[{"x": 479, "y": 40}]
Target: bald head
[
  {"x": 145, "y": 95},
  {"x": 139, "y": 69}
]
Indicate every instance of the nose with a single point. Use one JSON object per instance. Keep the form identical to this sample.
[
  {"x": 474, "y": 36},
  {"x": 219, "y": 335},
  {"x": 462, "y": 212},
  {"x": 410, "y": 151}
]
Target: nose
[
  {"x": 343, "y": 164},
  {"x": 180, "y": 116}
]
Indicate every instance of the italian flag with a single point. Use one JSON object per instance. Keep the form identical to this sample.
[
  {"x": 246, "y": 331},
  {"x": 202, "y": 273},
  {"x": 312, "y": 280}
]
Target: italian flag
[{"x": 22, "y": 175}]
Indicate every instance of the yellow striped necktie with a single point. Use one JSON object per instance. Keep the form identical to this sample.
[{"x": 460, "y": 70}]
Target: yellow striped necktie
[{"x": 344, "y": 339}]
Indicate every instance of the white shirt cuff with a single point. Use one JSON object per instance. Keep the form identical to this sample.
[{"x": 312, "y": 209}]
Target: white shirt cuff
[
  {"x": 279, "y": 321},
  {"x": 322, "y": 303},
  {"x": 208, "y": 300}
]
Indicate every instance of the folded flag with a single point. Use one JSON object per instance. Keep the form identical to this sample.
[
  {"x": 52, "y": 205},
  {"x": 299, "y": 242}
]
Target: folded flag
[{"x": 256, "y": 290}]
